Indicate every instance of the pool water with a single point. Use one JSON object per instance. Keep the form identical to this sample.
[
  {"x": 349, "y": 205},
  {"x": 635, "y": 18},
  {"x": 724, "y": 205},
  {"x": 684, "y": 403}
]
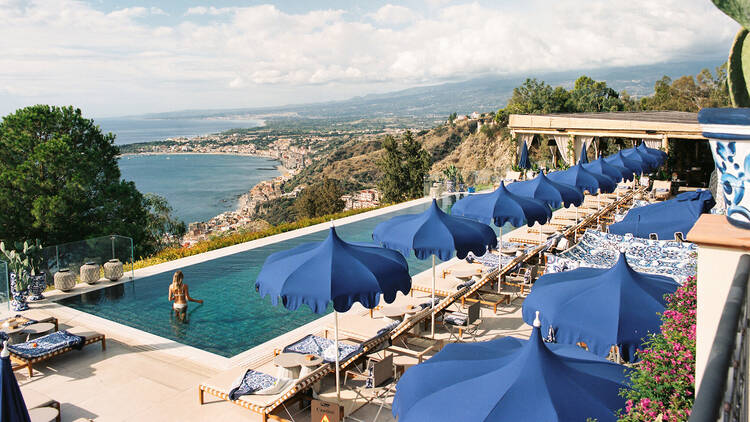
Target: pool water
[{"x": 233, "y": 317}]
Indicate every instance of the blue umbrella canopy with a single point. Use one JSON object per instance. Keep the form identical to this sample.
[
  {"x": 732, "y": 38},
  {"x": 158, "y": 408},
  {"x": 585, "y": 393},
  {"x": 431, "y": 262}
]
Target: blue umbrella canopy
[
  {"x": 434, "y": 232},
  {"x": 509, "y": 379},
  {"x": 583, "y": 179},
  {"x": 523, "y": 158},
  {"x": 649, "y": 161},
  {"x": 666, "y": 217},
  {"x": 618, "y": 159},
  {"x": 661, "y": 155},
  {"x": 583, "y": 159},
  {"x": 601, "y": 167},
  {"x": 601, "y": 307},
  {"x": 318, "y": 273},
  {"x": 551, "y": 193},
  {"x": 12, "y": 406},
  {"x": 502, "y": 206}
]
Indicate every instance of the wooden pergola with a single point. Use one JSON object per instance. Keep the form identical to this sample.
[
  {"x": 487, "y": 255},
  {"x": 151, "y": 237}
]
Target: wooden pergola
[{"x": 650, "y": 126}]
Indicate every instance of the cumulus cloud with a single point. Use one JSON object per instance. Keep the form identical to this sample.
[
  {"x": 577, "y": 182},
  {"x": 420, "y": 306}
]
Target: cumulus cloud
[{"x": 69, "y": 49}]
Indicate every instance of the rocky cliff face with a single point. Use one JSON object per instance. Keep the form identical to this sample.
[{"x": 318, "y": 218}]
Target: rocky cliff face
[{"x": 477, "y": 153}]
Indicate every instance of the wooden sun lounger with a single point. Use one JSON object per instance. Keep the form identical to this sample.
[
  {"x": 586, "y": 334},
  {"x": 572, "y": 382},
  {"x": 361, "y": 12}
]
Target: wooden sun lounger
[
  {"x": 89, "y": 338},
  {"x": 265, "y": 406}
]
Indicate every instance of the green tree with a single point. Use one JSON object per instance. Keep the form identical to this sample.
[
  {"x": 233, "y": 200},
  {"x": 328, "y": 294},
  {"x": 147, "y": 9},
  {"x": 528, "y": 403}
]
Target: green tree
[
  {"x": 452, "y": 117},
  {"x": 165, "y": 229},
  {"x": 589, "y": 95},
  {"x": 404, "y": 166},
  {"x": 537, "y": 97},
  {"x": 60, "y": 182},
  {"x": 320, "y": 199},
  {"x": 689, "y": 93}
]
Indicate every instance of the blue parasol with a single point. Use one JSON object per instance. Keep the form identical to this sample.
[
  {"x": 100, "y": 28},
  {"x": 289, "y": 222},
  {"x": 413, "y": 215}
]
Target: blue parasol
[
  {"x": 319, "y": 273},
  {"x": 583, "y": 179},
  {"x": 551, "y": 193},
  {"x": 503, "y": 206},
  {"x": 636, "y": 166},
  {"x": 509, "y": 379},
  {"x": 583, "y": 159},
  {"x": 435, "y": 233},
  {"x": 649, "y": 162},
  {"x": 607, "y": 307},
  {"x": 615, "y": 172},
  {"x": 523, "y": 158},
  {"x": 12, "y": 405}
]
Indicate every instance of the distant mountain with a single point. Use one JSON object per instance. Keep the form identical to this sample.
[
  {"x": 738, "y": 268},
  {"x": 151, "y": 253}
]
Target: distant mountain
[{"x": 479, "y": 94}]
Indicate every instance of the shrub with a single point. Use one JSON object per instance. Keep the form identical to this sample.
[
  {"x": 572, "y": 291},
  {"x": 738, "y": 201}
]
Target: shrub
[
  {"x": 663, "y": 383},
  {"x": 222, "y": 241}
]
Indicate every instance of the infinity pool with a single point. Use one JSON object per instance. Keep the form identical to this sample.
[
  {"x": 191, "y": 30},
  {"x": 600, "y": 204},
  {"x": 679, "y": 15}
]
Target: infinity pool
[{"x": 233, "y": 318}]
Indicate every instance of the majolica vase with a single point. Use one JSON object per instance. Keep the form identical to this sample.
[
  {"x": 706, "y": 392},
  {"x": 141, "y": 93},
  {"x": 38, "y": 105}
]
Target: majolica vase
[
  {"x": 18, "y": 302},
  {"x": 37, "y": 286},
  {"x": 728, "y": 133}
]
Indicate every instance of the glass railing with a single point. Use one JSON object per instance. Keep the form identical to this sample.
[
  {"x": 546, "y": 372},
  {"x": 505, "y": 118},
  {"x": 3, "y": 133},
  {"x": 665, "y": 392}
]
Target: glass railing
[
  {"x": 4, "y": 286},
  {"x": 99, "y": 250}
]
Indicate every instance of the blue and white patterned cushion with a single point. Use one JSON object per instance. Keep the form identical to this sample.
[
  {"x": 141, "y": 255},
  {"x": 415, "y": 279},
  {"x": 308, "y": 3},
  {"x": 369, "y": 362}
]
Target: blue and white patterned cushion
[
  {"x": 456, "y": 318},
  {"x": 46, "y": 344},
  {"x": 664, "y": 257},
  {"x": 426, "y": 305},
  {"x": 388, "y": 327},
  {"x": 251, "y": 383},
  {"x": 323, "y": 347}
]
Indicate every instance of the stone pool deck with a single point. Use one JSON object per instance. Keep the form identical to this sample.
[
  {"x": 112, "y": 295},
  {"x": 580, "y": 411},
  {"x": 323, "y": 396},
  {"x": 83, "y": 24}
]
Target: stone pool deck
[{"x": 143, "y": 377}]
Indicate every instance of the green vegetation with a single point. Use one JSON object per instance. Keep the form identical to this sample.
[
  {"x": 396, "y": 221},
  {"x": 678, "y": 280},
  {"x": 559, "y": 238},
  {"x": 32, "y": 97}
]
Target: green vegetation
[
  {"x": 404, "y": 165},
  {"x": 59, "y": 181},
  {"x": 739, "y": 59},
  {"x": 24, "y": 261},
  {"x": 318, "y": 200},
  {"x": 172, "y": 253}
]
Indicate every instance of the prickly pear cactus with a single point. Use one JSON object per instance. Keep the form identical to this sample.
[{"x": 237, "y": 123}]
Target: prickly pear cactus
[{"x": 738, "y": 66}]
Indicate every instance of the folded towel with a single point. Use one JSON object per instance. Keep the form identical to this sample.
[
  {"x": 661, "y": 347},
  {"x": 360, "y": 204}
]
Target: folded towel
[
  {"x": 47, "y": 344},
  {"x": 425, "y": 305},
  {"x": 323, "y": 347},
  {"x": 456, "y": 318},
  {"x": 467, "y": 284},
  {"x": 254, "y": 382},
  {"x": 388, "y": 327}
]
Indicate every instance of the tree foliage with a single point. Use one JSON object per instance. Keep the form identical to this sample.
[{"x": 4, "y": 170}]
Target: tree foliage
[
  {"x": 688, "y": 93},
  {"x": 166, "y": 229},
  {"x": 404, "y": 165},
  {"x": 60, "y": 182},
  {"x": 320, "y": 199}
]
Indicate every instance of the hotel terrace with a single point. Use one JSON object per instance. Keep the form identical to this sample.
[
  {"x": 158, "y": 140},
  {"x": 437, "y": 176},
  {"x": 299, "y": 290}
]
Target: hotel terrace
[{"x": 147, "y": 369}]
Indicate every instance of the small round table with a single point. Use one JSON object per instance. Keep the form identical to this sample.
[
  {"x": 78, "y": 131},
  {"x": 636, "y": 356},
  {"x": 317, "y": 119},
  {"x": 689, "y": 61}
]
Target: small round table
[
  {"x": 288, "y": 364},
  {"x": 465, "y": 273},
  {"x": 43, "y": 414},
  {"x": 393, "y": 312},
  {"x": 37, "y": 329}
]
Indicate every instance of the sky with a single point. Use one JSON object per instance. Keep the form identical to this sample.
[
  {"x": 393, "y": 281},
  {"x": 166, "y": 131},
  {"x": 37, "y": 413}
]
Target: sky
[{"x": 126, "y": 57}]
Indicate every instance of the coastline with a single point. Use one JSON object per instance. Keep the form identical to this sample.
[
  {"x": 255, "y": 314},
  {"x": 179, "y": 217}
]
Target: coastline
[{"x": 242, "y": 200}]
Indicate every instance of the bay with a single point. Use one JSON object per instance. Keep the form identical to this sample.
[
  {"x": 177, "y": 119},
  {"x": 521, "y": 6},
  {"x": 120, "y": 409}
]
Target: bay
[
  {"x": 130, "y": 130},
  {"x": 197, "y": 186}
]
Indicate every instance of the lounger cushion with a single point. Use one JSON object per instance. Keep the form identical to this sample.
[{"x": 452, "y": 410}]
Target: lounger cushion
[
  {"x": 46, "y": 345},
  {"x": 255, "y": 382},
  {"x": 323, "y": 347},
  {"x": 456, "y": 318},
  {"x": 388, "y": 328}
]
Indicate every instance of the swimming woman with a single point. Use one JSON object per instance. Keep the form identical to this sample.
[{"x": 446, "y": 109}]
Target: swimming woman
[{"x": 178, "y": 292}]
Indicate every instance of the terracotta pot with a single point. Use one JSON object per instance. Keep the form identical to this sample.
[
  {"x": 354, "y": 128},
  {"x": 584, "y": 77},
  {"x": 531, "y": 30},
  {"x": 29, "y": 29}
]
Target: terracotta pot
[
  {"x": 113, "y": 269},
  {"x": 90, "y": 273},
  {"x": 65, "y": 280}
]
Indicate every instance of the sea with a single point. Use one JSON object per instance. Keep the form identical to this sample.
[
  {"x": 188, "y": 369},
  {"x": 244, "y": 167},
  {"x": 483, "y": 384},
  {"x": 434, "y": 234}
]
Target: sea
[
  {"x": 130, "y": 130},
  {"x": 197, "y": 186}
]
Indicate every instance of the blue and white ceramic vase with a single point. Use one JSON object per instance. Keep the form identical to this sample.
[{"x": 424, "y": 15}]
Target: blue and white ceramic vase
[
  {"x": 37, "y": 286},
  {"x": 18, "y": 303},
  {"x": 728, "y": 133}
]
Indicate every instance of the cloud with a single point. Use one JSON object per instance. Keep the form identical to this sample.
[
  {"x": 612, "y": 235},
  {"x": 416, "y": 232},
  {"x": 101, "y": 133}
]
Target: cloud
[
  {"x": 393, "y": 15},
  {"x": 69, "y": 51}
]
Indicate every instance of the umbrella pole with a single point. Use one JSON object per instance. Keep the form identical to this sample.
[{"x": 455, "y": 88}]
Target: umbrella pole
[
  {"x": 432, "y": 324},
  {"x": 336, "y": 329}
]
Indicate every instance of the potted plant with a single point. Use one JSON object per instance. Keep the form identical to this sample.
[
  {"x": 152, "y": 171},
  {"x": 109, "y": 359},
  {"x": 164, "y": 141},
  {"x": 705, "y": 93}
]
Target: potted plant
[
  {"x": 728, "y": 129},
  {"x": 20, "y": 268},
  {"x": 37, "y": 277}
]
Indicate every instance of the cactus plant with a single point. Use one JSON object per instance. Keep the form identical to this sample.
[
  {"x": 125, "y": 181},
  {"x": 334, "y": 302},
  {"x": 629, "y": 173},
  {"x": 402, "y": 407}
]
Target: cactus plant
[
  {"x": 738, "y": 66},
  {"x": 24, "y": 261}
]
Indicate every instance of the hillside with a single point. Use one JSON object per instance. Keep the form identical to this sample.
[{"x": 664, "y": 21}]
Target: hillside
[{"x": 478, "y": 154}]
